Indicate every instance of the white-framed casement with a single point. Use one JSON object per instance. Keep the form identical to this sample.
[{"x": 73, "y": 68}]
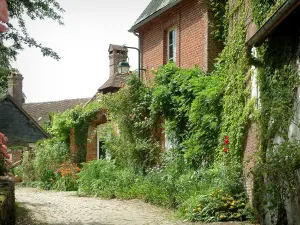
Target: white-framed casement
[{"x": 171, "y": 44}]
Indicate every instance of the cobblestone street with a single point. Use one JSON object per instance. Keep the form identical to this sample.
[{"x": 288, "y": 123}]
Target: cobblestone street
[{"x": 49, "y": 207}]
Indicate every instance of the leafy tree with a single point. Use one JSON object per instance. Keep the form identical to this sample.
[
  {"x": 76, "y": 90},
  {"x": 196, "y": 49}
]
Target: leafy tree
[{"x": 17, "y": 33}]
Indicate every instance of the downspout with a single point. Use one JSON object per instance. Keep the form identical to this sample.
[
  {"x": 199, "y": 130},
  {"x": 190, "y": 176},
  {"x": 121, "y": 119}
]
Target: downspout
[{"x": 139, "y": 55}]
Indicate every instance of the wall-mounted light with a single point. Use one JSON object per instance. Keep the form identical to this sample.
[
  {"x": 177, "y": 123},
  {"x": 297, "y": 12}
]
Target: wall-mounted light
[{"x": 123, "y": 67}]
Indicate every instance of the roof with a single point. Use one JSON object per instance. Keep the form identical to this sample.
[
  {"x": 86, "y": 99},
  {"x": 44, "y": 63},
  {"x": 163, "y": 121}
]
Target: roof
[
  {"x": 33, "y": 123},
  {"x": 285, "y": 10},
  {"x": 39, "y": 111},
  {"x": 154, "y": 9},
  {"x": 115, "y": 81}
]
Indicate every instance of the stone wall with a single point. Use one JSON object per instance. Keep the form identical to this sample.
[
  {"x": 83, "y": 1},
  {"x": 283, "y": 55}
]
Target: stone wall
[{"x": 7, "y": 202}]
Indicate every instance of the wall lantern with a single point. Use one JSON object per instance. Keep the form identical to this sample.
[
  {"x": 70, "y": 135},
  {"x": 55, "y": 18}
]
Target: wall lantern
[{"x": 123, "y": 67}]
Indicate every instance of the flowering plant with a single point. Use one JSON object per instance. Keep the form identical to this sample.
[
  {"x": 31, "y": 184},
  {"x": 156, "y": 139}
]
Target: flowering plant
[
  {"x": 226, "y": 143},
  {"x": 3, "y": 148},
  {"x": 66, "y": 177}
]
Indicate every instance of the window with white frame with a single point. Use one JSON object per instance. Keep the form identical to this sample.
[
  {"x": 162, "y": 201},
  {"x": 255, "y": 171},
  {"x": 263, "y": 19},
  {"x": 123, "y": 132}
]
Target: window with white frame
[{"x": 171, "y": 45}]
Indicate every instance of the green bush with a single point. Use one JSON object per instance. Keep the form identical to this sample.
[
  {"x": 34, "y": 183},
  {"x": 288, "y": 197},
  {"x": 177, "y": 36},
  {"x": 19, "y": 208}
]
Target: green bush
[
  {"x": 217, "y": 206},
  {"x": 41, "y": 165},
  {"x": 26, "y": 169},
  {"x": 49, "y": 154},
  {"x": 104, "y": 178}
]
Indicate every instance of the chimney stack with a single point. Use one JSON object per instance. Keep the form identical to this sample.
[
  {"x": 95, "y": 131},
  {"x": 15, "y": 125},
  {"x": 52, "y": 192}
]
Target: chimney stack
[
  {"x": 117, "y": 53},
  {"x": 15, "y": 85}
]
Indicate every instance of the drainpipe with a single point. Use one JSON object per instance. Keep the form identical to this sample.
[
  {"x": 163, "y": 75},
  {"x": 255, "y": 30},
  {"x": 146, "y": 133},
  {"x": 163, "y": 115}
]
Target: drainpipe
[{"x": 139, "y": 55}]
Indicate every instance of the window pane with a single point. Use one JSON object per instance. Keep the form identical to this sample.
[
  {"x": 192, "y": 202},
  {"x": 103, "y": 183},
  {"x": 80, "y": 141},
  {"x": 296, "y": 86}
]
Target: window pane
[
  {"x": 172, "y": 45},
  {"x": 170, "y": 37},
  {"x": 171, "y": 53}
]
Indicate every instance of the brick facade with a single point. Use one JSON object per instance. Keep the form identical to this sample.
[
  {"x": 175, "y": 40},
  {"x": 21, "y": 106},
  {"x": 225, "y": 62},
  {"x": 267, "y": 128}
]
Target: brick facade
[
  {"x": 195, "y": 43},
  {"x": 251, "y": 147},
  {"x": 73, "y": 146},
  {"x": 91, "y": 144}
]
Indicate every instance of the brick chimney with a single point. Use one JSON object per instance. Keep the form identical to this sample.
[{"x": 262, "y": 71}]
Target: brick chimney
[
  {"x": 116, "y": 54},
  {"x": 15, "y": 84}
]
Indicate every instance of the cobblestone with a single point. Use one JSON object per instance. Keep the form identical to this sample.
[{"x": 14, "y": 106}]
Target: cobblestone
[{"x": 57, "y": 208}]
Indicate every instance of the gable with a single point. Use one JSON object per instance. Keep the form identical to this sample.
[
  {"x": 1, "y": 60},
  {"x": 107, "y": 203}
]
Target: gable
[
  {"x": 155, "y": 8},
  {"x": 17, "y": 125}
]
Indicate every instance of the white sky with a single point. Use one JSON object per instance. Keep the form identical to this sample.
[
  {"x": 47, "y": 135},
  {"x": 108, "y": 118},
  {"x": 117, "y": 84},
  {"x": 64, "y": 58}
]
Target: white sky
[{"x": 82, "y": 44}]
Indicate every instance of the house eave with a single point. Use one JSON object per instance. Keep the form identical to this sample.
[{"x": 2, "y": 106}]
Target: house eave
[
  {"x": 152, "y": 16},
  {"x": 272, "y": 23}
]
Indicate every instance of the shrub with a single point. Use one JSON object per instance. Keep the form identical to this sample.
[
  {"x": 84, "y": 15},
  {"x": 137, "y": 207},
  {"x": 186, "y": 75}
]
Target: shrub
[
  {"x": 104, "y": 178},
  {"x": 218, "y": 206},
  {"x": 26, "y": 169},
  {"x": 49, "y": 154},
  {"x": 66, "y": 177}
]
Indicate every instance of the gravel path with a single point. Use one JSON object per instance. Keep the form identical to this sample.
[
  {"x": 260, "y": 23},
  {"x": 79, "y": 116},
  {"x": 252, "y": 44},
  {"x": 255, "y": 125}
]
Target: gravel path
[{"x": 58, "y": 208}]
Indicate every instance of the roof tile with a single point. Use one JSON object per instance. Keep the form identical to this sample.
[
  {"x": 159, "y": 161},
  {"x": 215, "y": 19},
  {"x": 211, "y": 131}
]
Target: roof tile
[{"x": 40, "y": 111}]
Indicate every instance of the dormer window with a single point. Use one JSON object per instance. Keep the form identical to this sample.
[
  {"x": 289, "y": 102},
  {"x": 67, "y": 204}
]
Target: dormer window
[{"x": 172, "y": 45}]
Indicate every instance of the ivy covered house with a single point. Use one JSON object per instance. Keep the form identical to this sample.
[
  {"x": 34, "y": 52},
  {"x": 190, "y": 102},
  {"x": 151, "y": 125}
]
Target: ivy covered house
[
  {"x": 178, "y": 31},
  {"x": 273, "y": 44},
  {"x": 181, "y": 31},
  {"x": 90, "y": 147}
]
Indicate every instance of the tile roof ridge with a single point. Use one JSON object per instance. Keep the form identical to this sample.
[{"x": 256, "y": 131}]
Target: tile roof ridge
[{"x": 63, "y": 100}]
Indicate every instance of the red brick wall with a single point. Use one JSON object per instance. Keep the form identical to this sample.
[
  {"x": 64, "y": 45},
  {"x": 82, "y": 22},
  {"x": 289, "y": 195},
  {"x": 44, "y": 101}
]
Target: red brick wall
[
  {"x": 73, "y": 146},
  {"x": 91, "y": 148},
  {"x": 91, "y": 145},
  {"x": 195, "y": 44},
  {"x": 251, "y": 147}
]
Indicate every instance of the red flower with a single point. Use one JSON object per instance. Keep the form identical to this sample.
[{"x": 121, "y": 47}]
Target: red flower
[
  {"x": 226, "y": 137},
  {"x": 226, "y": 141},
  {"x": 123, "y": 85},
  {"x": 225, "y": 150}
]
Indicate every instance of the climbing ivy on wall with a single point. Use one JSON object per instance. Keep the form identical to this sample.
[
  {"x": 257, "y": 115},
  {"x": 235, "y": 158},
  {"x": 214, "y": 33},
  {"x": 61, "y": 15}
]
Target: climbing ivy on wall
[{"x": 278, "y": 80}]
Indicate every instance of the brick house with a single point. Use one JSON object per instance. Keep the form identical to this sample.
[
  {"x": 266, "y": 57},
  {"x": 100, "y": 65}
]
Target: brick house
[{"x": 177, "y": 30}]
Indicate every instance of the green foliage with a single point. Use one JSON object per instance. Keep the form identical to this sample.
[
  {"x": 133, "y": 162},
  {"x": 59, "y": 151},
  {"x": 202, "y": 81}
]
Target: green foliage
[
  {"x": 220, "y": 25},
  {"x": 191, "y": 103},
  {"x": 172, "y": 185},
  {"x": 104, "y": 178},
  {"x": 66, "y": 177},
  {"x": 135, "y": 144},
  {"x": 78, "y": 118},
  {"x": 264, "y": 9},
  {"x": 17, "y": 33},
  {"x": 26, "y": 169},
  {"x": 48, "y": 155},
  {"x": 219, "y": 206},
  {"x": 278, "y": 160},
  {"x": 278, "y": 168}
]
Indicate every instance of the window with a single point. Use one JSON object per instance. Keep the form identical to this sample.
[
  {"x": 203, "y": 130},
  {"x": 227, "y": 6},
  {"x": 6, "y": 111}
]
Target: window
[{"x": 172, "y": 45}]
